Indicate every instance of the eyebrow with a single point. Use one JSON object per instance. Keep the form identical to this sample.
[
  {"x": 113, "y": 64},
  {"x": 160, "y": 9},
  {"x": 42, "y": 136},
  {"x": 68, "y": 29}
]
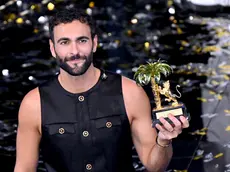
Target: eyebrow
[{"x": 67, "y": 39}]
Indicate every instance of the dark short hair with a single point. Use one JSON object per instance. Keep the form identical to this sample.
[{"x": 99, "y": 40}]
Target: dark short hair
[{"x": 68, "y": 16}]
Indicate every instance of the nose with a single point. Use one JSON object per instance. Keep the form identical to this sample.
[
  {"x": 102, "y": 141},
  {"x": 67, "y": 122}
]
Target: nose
[{"x": 74, "y": 49}]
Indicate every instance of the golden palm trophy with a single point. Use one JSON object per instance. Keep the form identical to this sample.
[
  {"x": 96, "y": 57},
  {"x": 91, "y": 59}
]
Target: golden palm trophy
[{"x": 151, "y": 72}]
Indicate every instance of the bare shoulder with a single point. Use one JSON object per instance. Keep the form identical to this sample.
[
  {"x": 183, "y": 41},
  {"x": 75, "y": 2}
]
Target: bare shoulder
[
  {"x": 29, "y": 111},
  {"x": 136, "y": 100},
  {"x": 130, "y": 87},
  {"x": 31, "y": 100}
]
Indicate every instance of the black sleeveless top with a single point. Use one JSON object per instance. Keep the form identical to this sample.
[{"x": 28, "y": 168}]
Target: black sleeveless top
[{"x": 89, "y": 131}]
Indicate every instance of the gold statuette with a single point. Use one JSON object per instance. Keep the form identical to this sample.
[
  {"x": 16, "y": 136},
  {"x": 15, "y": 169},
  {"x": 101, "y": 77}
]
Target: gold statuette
[{"x": 151, "y": 72}]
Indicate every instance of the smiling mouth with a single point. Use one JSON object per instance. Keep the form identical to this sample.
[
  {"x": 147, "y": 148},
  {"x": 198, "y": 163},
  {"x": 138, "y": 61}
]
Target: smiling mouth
[{"x": 77, "y": 61}]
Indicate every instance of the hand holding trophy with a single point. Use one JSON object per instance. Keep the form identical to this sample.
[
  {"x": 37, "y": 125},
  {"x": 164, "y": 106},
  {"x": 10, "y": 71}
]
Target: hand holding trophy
[{"x": 151, "y": 72}]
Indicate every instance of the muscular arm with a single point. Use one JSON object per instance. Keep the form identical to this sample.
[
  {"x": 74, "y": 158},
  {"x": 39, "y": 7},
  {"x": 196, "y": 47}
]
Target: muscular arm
[
  {"x": 153, "y": 157},
  {"x": 28, "y": 133}
]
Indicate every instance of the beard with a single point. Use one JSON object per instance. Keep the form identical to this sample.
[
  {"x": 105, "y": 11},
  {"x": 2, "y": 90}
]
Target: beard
[{"x": 77, "y": 70}]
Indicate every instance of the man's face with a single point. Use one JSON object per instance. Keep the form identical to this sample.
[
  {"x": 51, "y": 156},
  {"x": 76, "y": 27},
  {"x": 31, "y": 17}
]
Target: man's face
[{"x": 73, "y": 47}]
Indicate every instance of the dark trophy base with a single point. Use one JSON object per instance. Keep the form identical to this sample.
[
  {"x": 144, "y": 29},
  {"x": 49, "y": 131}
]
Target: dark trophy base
[{"x": 177, "y": 111}]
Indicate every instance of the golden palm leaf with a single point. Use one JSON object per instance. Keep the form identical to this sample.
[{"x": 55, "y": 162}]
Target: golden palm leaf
[{"x": 154, "y": 70}]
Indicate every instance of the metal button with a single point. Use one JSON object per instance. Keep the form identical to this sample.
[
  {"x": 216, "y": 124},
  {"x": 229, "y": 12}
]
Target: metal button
[
  {"x": 89, "y": 167},
  {"x": 109, "y": 124},
  {"x": 61, "y": 130},
  {"x": 85, "y": 133},
  {"x": 81, "y": 98}
]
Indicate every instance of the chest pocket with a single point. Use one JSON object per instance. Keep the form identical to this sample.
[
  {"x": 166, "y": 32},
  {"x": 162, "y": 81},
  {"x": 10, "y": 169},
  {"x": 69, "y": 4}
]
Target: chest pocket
[
  {"x": 60, "y": 135},
  {"x": 107, "y": 129}
]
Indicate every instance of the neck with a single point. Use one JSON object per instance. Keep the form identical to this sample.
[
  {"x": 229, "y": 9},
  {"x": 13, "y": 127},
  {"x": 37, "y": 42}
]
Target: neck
[{"x": 78, "y": 84}]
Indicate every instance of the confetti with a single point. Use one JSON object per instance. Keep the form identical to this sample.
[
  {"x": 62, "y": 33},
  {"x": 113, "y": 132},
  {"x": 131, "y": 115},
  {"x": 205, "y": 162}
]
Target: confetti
[
  {"x": 208, "y": 157},
  {"x": 227, "y": 111},
  {"x": 228, "y": 128},
  {"x": 226, "y": 77},
  {"x": 219, "y": 97},
  {"x": 202, "y": 99},
  {"x": 215, "y": 82},
  {"x": 227, "y": 165},
  {"x": 209, "y": 115},
  {"x": 200, "y": 132},
  {"x": 198, "y": 157},
  {"x": 219, "y": 155},
  {"x": 195, "y": 45},
  {"x": 212, "y": 92}
]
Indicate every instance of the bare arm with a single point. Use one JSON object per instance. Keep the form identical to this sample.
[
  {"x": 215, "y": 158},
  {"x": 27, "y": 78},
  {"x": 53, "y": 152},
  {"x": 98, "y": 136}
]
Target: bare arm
[
  {"x": 154, "y": 157},
  {"x": 28, "y": 133}
]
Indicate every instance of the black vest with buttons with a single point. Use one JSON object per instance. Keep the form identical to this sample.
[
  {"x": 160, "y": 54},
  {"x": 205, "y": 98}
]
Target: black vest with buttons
[{"x": 88, "y": 131}]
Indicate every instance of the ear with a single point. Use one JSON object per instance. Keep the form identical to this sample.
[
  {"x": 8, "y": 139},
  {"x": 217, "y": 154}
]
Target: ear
[
  {"x": 52, "y": 49},
  {"x": 95, "y": 39}
]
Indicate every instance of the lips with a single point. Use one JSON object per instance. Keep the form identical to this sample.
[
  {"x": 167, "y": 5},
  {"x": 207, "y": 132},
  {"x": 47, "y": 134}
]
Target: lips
[{"x": 76, "y": 61}]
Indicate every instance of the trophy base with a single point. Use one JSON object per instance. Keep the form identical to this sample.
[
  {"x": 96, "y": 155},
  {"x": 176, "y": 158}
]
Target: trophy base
[{"x": 176, "y": 111}]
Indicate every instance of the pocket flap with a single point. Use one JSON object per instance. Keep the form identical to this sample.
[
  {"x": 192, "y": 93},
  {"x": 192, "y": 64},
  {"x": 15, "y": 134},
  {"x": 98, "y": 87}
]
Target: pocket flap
[
  {"x": 61, "y": 128},
  {"x": 108, "y": 121}
]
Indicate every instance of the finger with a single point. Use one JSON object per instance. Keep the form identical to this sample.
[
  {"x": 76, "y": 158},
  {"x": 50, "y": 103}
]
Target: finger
[
  {"x": 177, "y": 124},
  {"x": 178, "y": 131},
  {"x": 166, "y": 125},
  {"x": 166, "y": 133},
  {"x": 174, "y": 134},
  {"x": 184, "y": 121},
  {"x": 160, "y": 128}
]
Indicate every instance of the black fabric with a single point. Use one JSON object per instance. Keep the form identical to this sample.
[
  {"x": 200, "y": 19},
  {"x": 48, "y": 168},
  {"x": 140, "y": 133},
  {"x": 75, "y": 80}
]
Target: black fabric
[{"x": 108, "y": 145}]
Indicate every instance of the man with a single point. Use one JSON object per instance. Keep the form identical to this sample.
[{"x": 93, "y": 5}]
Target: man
[{"x": 86, "y": 119}]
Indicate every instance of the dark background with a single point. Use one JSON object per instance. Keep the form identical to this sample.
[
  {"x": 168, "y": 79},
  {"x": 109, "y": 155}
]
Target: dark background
[{"x": 193, "y": 40}]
